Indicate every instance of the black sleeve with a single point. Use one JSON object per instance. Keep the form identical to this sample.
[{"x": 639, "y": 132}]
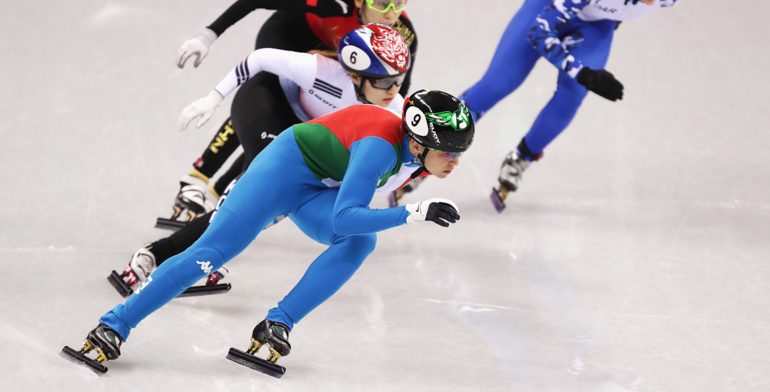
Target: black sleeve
[
  {"x": 241, "y": 8},
  {"x": 406, "y": 29}
]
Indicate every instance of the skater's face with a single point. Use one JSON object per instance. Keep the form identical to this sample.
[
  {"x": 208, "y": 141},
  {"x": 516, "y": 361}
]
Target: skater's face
[
  {"x": 377, "y": 96},
  {"x": 438, "y": 163},
  {"x": 372, "y": 11}
]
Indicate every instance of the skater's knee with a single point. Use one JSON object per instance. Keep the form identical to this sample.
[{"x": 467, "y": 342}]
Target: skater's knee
[
  {"x": 361, "y": 245},
  {"x": 569, "y": 90}
]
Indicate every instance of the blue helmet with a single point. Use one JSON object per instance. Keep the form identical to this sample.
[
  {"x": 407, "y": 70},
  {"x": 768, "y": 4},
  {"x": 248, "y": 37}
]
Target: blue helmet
[{"x": 374, "y": 51}]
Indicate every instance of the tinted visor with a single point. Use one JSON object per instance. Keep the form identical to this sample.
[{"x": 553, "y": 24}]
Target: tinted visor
[
  {"x": 387, "y": 83},
  {"x": 449, "y": 156}
]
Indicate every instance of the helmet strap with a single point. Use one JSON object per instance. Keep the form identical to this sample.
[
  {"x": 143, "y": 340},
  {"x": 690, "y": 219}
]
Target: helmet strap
[
  {"x": 360, "y": 91},
  {"x": 422, "y": 155}
]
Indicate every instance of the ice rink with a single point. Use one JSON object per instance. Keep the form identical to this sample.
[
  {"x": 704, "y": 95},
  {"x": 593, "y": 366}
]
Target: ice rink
[{"x": 635, "y": 257}]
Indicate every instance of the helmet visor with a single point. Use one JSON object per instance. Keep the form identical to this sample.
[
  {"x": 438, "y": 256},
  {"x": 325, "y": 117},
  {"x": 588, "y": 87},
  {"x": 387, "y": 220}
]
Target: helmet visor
[
  {"x": 449, "y": 156},
  {"x": 383, "y": 6},
  {"x": 387, "y": 83}
]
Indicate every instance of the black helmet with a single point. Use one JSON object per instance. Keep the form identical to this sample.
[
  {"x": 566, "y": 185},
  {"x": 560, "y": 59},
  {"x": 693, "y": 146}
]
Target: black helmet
[{"x": 438, "y": 121}]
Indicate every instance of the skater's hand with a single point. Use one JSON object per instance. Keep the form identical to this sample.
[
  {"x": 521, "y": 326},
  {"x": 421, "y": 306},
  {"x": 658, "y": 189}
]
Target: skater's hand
[
  {"x": 202, "y": 108},
  {"x": 601, "y": 82},
  {"x": 198, "y": 47},
  {"x": 440, "y": 211}
]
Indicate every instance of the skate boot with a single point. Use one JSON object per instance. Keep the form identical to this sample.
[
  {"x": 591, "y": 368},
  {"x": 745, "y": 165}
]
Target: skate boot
[
  {"x": 396, "y": 195},
  {"x": 142, "y": 263},
  {"x": 214, "y": 278},
  {"x": 140, "y": 266},
  {"x": 193, "y": 199},
  {"x": 107, "y": 344},
  {"x": 510, "y": 175},
  {"x": 276, "y": 335}
]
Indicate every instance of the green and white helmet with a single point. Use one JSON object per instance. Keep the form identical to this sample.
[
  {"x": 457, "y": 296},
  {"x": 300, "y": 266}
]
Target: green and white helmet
[{"x": 437, "y": 120}]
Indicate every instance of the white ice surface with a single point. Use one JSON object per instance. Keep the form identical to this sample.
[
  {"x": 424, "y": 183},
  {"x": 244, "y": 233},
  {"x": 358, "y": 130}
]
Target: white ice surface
[{"x": 635, "y": 257}]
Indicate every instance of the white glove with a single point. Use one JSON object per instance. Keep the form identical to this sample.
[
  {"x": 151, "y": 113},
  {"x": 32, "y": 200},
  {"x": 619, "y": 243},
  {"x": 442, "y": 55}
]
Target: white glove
[
  {"x": 441, "y": 211},
  {"x": 198, "y": 47},
  {"x": 203, "y": 108}
]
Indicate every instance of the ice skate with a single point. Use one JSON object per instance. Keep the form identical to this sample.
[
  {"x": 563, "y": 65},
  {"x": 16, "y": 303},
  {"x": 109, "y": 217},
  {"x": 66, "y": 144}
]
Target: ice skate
[
  {"x": 140, "y": 266},
  {"x": 194, "y": 199},
  {"x": 396, "y": 195},
  {"x": 510, "y": 176},
  {"x": 107, "y": 344},
  {"x": 142, "y": 263},
  {"x": 276, "y": 335}
]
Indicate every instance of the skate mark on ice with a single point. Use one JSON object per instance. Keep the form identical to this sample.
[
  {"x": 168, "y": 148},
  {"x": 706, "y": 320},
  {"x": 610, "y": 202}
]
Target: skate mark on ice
[{"x": 474, "y": 307}]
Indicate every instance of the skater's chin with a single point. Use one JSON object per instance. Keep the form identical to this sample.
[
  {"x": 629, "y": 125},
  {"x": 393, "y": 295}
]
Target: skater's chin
[{"x": 442, "y": 174}]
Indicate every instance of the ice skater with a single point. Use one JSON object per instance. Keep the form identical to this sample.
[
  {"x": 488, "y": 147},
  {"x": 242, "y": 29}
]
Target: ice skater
[
  {"x": 297, "y": 25},
  {"x": 372, "y": 65},
  {"x": 322, "y": 174},
  {"x": 573, "y": 35}
]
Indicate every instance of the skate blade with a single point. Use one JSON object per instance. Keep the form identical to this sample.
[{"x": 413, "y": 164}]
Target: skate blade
[
  {"x": 169, "y": 224},
  {"x": 77, "y": 357},
  {"x": 256, "y": 363},
  {"x": 195, "y": 291},
  {"x": 497, "y": 202},
  {"x": 119, "y": 284}
]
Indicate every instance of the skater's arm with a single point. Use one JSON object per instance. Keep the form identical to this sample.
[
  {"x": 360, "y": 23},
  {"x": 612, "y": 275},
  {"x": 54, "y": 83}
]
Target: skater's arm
[
  {"x": 241, "y": 8},
  {"x": 543, "y": 36},
  {"x": 370, "y": 159},
  {"x": 295, "y": 66}
]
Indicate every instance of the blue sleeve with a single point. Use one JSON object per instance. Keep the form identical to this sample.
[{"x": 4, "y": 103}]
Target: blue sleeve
[
  {"x": 544, "y": 38},
  {"x": 370, "y": 159}
]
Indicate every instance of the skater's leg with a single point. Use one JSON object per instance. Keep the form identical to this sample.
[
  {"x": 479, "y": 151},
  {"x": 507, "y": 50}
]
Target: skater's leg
[
  {"x": 276, "y": 183},
  {"x": 260, "y": 111},
  {"x": 256, "y": 125},
  {"x": 221, "y": 146},
  {"x": 236, "y": 168},
  {"x": 593, "y": 42},
  {"x": 194, "y": 197},
  {"x": 513, "y": 60},
  {"x": 331, "y": 269},
  {"x": 181, "y": 239}
]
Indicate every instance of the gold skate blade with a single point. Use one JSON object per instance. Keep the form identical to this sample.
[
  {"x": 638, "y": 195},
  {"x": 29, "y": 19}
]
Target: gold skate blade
[
  {"x": 78, "y": 357},
  {"x": 256, "y": 363}
]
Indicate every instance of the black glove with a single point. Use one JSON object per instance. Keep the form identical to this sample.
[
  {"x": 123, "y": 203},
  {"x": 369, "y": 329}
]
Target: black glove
[
  {"x": 442, "y": 214},
  {"x": 440, "y": 211},
  {"x": 601, "y": 82}
]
